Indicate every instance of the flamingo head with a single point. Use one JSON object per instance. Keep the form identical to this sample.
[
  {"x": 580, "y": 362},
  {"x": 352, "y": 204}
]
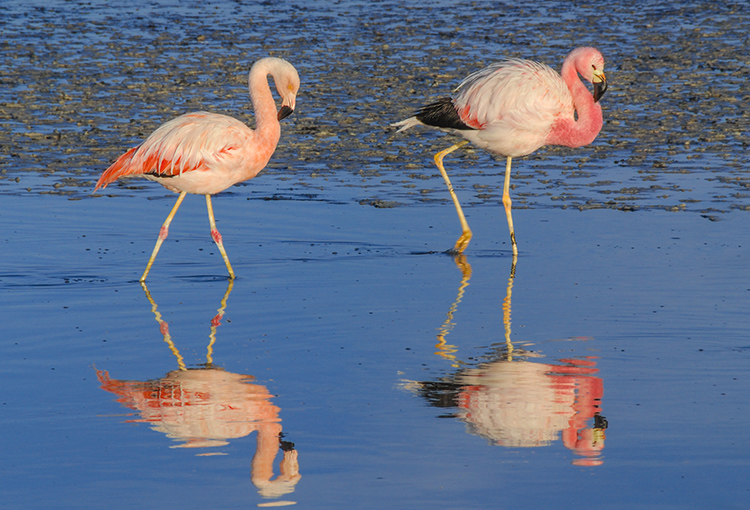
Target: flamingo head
[
  {"x": 287, "y": 84},
  {"x": 589, "y": 63},
  {"x": 595, "y": 63}
]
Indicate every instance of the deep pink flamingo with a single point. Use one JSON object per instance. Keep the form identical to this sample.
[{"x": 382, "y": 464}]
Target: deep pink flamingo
[
  {"x": 513, "y": 108},
  {"x": 206, "y": 153}
]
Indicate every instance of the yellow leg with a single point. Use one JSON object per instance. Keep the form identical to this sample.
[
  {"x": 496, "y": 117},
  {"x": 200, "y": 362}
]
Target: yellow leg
[
  {"x": 444, "y": 349},
  {"x": 163, "y": 233},
  {"x": 215, "y": 323},
  {"x": 164, "y": 328},
  {"x": 217, "y": 236},
  {"x": 507, "y": 203},
  {"x": 506, "y": 309},
  {"x": 463, "y": 241}
]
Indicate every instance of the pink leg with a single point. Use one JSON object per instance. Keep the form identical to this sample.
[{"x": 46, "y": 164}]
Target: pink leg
[{"x": 163, "y": 233}]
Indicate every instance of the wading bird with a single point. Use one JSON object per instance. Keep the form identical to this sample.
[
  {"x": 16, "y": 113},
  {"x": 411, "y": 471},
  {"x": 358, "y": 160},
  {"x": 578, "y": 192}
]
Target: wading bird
[
  {"x": 513, "y": 108},
  {"x": 206, "y": 153}
]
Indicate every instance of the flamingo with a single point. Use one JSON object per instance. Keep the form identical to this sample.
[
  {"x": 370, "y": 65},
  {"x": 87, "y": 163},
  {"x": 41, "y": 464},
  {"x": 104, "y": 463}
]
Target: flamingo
[
  {"x": 205, "y": 153},
  {"x": 514, "y": 107}
]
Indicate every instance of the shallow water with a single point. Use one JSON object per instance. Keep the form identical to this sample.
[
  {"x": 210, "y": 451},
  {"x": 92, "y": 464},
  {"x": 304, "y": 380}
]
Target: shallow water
[
  {"x": 337, "y": 317},
  {"x": 612, "y": 369}
]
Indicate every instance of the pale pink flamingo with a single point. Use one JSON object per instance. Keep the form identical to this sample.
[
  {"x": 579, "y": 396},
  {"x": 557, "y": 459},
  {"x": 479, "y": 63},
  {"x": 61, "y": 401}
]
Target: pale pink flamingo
[
  {"x": 206, "y": 153},
  {"x": 205, "y": 407},
  {"x": 513, "y": 108}
]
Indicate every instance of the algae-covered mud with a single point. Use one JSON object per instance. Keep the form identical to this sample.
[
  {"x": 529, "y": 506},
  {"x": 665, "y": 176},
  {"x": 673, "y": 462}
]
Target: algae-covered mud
[{"x": 83, "y": 81}]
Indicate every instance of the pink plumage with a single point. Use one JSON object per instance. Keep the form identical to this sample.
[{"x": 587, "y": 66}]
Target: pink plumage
[
  {"x": 201, "y": 153},
  {"x": 206, "y": 153},
  {"x": 513, "y": 108}
]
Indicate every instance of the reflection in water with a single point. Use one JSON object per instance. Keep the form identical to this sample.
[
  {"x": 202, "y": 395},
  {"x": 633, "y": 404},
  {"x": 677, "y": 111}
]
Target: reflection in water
[
  {"x": 514, "y": 402},
  {"x": 204, "y": 407}
]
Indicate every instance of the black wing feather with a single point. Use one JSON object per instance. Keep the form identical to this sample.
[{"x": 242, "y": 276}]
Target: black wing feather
[{"x": 442, "y": 114}]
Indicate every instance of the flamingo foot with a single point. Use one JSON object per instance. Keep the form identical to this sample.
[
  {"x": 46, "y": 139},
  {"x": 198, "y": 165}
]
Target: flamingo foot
[{"x": 462, "y": 243}]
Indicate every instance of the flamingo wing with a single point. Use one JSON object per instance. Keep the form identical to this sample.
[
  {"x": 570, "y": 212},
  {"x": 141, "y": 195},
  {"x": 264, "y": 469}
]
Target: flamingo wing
[
  {"x": 521, "y": 92},
  {"x": 189, "y": 143}
]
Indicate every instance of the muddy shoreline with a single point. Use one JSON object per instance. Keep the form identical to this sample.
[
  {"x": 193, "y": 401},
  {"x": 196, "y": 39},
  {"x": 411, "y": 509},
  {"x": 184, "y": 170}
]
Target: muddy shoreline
[{"x": 82, "y": 82}]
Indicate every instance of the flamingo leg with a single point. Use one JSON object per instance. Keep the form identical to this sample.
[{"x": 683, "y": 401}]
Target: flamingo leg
[
  {"x": 506, "y": 310},
  {"x": 462, "y": 241},
  {"x": 217, "y": 236},
  {"x": 163, "y": 233},
  {"x": 444, "y": 349},
  {"x": 164, "y": 328},
  {"x": 507, "y": 203},
  {"x": 215, "y": 323}
]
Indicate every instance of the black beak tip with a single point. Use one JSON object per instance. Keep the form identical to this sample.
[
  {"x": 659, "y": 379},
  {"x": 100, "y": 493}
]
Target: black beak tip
[
  {"x": 599, "y": 90},
  {"x": 285, "y": 112}
]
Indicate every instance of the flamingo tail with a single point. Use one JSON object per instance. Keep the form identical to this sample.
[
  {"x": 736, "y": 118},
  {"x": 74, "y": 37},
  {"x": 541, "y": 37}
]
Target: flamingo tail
[{"x": 122, "y": 166}]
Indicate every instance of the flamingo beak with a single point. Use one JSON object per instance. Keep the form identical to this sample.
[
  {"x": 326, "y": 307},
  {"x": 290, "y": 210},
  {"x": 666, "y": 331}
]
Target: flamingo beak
[
  {"x": 285, "y": 111},
  {"x": 600, "y": 85}
]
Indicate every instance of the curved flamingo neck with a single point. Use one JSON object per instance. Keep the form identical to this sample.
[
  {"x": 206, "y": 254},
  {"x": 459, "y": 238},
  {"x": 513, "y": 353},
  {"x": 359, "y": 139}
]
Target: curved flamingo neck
[
  {"x": 266, "y": 120},
  {"x": 580, "y": 131}
]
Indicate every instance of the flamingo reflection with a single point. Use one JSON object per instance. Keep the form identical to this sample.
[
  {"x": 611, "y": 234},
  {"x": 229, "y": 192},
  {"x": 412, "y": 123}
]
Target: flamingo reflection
[
  {"x": 515, "y": 402},
  {"x": 207, "y": 406}
]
